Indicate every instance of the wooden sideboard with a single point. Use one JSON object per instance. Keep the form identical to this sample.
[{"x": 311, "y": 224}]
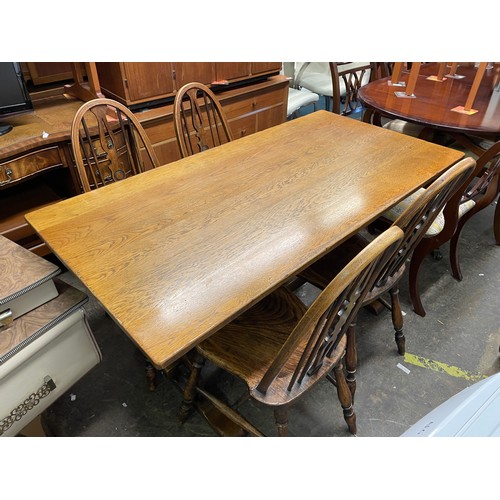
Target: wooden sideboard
[
  {"x": 136, "y": 83},
  {"x": 36, "y": 161}
]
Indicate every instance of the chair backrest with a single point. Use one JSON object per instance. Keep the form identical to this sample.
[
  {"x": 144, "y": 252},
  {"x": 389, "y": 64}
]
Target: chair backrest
[
  {"x": 199, "y": 120},
  {"x": 486, "y": 176},
  {"x": 418, "y": 217},
  {"x": 305, "y": 356},
  {"x": 109, "y": 144},
  {"x": 347, "y": 79}
]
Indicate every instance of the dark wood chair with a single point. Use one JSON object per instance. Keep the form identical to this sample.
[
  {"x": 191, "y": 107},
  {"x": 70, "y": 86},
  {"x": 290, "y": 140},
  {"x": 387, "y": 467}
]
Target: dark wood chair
[
  {"x": 199, "y": 120},
  {"x": 109, "y": 144},
  {"x": 415, "y": 220},
  {"x": 476, "y": 193},
  {"x": 338, "y": 82},
  {"x": 280, "y": 349}
]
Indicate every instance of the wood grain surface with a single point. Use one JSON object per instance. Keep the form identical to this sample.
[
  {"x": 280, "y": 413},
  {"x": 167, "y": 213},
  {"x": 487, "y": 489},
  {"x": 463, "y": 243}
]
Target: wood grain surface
[
  {"x": 20, "y": 269},
  {"x": 176, "y": 252}
]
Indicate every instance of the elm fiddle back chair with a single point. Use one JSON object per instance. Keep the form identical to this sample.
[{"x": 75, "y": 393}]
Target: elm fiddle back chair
[
  {"x": 414, "y": 221},
  {"x": 281, "y": 349},
  {"x": 109, "y": 144},
  {"x": 199, "y": 120},
  {"x": 478, "y": 191}
]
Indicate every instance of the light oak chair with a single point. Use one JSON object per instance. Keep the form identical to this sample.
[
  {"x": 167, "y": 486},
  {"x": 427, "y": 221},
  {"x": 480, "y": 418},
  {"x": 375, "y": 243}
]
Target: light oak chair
[
  {"x": 337, "y": 82},
  {"x": 199, "y": 120},
  {"x": 280, "y": 349},
  {"x": 109, "y": 144},
  {"x": 414, "y": 221}
]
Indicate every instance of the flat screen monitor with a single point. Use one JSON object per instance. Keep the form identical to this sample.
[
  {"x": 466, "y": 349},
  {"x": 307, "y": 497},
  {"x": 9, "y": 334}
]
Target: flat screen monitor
[{"x": 14, "y": 96}]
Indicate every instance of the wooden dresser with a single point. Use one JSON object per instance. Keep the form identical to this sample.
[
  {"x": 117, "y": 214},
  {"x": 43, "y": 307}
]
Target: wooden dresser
[{"x": 36, "y": 161}]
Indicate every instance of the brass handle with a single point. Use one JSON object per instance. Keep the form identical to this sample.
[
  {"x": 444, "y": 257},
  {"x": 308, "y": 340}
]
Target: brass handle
[
  {"x": 8, "y": 173},
  {"x": 28, "y": 404}
]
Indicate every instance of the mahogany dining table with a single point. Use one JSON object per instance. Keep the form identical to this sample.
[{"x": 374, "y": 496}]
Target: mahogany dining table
[
  {"x": 435, "y": 101},
  {"x": 176, "y": 252}
]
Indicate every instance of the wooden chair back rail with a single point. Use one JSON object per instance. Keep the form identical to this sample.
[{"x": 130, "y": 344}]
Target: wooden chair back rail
[
  {"x": 487, "y": 175},
  {"x": 352, "y": 78},
  {"x": 326, "y": 321},
  {"x": 103, "y": 152},
  {"x": 109, "y": 144},
  {"x": 417, "y": 218},
  {"x": 199, "y": 120}
]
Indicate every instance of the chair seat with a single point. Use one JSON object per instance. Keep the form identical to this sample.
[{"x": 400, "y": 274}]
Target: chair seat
[
  {"x": 249, "y": 344},
  {"x": 404, "y": 127},
  {"x": 299, "y": 98},
  {"x": 437, "y": 226}
]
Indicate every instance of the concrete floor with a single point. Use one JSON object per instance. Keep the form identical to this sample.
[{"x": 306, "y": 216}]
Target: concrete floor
[{"x": 461, "y": 330}]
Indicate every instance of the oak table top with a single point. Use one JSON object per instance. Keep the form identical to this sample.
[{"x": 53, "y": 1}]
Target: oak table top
[
  {"x": 176, "y": 252},
  {"x": 434, "y": 100}
]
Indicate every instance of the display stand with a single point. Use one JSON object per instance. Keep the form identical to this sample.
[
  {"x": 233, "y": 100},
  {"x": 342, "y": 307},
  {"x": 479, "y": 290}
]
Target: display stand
[
  {"x": 396, "y": 76},
  {"x": 453, "y": 72},
  {"x": 412, "y": 81},
  {"x": 467, "y": 108},
  {"x": 440, "y": 76}
]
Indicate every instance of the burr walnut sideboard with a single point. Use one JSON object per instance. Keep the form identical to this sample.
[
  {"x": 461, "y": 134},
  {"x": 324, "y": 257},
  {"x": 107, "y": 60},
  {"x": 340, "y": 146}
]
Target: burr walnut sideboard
[{"x": 36, "y": 161}]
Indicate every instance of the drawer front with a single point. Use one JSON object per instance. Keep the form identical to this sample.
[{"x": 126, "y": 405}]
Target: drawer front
[
  {"x": 270, "y": 117},
  {"x": 30, "y": 164},
  {"x": 42, "y": 371},
  {"x": 253, "y": 103},
  {"x": 241, "y": 127}
]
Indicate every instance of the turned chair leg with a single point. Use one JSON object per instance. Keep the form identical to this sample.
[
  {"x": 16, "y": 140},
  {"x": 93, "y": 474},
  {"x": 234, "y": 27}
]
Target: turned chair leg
[
  {"x": 351, "y": 359},
  {"x": 281, "y": 418},
  {"x": 345, "y": 398},
  {"x": 150, "y": 376},
  {"x": 397, "y": 320},
  {"x": 189, "y": 392}
]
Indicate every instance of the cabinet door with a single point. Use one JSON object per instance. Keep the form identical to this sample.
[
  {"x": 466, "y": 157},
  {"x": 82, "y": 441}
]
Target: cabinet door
[
  {"x": 264, "y": 67},
  {"x": 47, "y": 72},
  {"x": 232, "y": 70},
  {"x": 187, "y": 72},
  {"x": 146, "y": 80}
]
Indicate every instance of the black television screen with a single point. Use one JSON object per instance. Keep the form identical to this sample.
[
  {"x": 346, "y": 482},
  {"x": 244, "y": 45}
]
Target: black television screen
[{"x": 14, "y": 96}]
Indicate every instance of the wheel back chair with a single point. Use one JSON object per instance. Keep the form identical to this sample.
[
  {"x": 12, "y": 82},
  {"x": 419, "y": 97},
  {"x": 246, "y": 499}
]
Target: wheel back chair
[
  {"x": 280, "y": 349},
  {"x": 199, "y": 120},
  {"x": 109, "y": 144},
  {"x": 414, "y": 221}
]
